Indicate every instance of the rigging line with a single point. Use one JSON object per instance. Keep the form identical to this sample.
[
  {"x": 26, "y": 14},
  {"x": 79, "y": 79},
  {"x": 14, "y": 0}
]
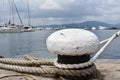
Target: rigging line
[
  {"x": 3, "y": 14},
  {"x": 10, "y": 11},
  {"x": 17, "y": 12},
  {"x": 28, "y": 7}
]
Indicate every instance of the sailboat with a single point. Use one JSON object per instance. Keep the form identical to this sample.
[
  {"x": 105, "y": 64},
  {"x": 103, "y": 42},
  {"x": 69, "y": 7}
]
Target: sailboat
[
  {"x": 28, "y": 28},
  {"x": 10, "y": 27}
]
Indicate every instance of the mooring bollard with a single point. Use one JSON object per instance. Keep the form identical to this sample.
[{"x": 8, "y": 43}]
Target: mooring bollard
[{"x": 73, "y": 48}]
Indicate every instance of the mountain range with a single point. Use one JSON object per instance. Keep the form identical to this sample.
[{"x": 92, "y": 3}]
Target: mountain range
[{"x": 88, "y": 24}]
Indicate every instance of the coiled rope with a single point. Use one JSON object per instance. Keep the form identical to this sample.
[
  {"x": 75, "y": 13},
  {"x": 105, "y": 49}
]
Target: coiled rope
[
  {"x": 41, "y": 61},
  {"x": 49, "y": 70},
  {"x": 14, "y": 64}
]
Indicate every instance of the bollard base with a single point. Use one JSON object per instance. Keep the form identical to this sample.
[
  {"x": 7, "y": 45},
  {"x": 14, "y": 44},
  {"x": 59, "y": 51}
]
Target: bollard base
[
  {"x": 94, "y": 74},
  {"x": 63, "y": 59}
]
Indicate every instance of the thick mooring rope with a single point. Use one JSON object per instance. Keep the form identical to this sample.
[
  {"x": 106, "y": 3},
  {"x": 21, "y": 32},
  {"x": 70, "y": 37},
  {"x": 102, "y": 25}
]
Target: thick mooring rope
[
  {"x": 117, "y": 34},
  {"x": 26, "y": 62},
  {"x": 12, "y": 64},
  {"x": 104, "y": 41},
  {"x": 73, "y": 66},
  {"x": 50, "y": 70},
  {"x": 42, "y": 61}
]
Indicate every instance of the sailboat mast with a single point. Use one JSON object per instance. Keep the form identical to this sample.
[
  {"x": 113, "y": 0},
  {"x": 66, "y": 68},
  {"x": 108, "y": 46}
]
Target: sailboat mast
[
  {"x": 3, "y": 14},
  {"x": 28, "y": 7},
  {"x": 12, "y": 10},
  {"x": 18, "y": 13}
]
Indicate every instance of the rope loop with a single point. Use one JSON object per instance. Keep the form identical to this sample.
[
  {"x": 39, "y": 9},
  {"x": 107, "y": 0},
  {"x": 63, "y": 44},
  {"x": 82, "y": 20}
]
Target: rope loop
[{"x": 73, "y": 66}]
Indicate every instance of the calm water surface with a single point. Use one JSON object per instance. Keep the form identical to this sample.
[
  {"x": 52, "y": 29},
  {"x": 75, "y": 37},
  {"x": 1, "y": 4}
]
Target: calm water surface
[{"x": 33, "y": 44}]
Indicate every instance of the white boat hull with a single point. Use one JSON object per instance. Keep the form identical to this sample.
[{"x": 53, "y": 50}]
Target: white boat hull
[{"x": 9, "y": 30}]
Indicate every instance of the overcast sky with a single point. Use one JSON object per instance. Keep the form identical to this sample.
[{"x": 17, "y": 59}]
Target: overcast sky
[{"x": 64, "y": 11}]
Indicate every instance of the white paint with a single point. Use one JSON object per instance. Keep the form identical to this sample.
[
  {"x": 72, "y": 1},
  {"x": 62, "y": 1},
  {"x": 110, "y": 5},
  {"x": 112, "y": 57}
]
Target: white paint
[{"x": 72, "y": 42}]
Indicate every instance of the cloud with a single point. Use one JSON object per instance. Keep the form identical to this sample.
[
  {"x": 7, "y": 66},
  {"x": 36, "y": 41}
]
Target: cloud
[
  {"x": 61, "y": 11},
  {"x": 50, "y": 5}
]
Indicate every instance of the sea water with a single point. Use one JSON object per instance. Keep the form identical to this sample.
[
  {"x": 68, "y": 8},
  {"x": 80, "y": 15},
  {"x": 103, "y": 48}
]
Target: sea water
[{"x": 34, "y": 44}]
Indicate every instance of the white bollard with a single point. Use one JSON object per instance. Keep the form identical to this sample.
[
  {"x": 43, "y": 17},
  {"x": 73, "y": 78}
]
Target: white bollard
[
  {"x": 72, "y": 42},
  {"x": 73, "y": 46}
]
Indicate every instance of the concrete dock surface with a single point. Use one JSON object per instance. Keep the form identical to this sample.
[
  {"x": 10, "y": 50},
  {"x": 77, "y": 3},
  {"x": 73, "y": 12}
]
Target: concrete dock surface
[{"x": 109, "y": 68}]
